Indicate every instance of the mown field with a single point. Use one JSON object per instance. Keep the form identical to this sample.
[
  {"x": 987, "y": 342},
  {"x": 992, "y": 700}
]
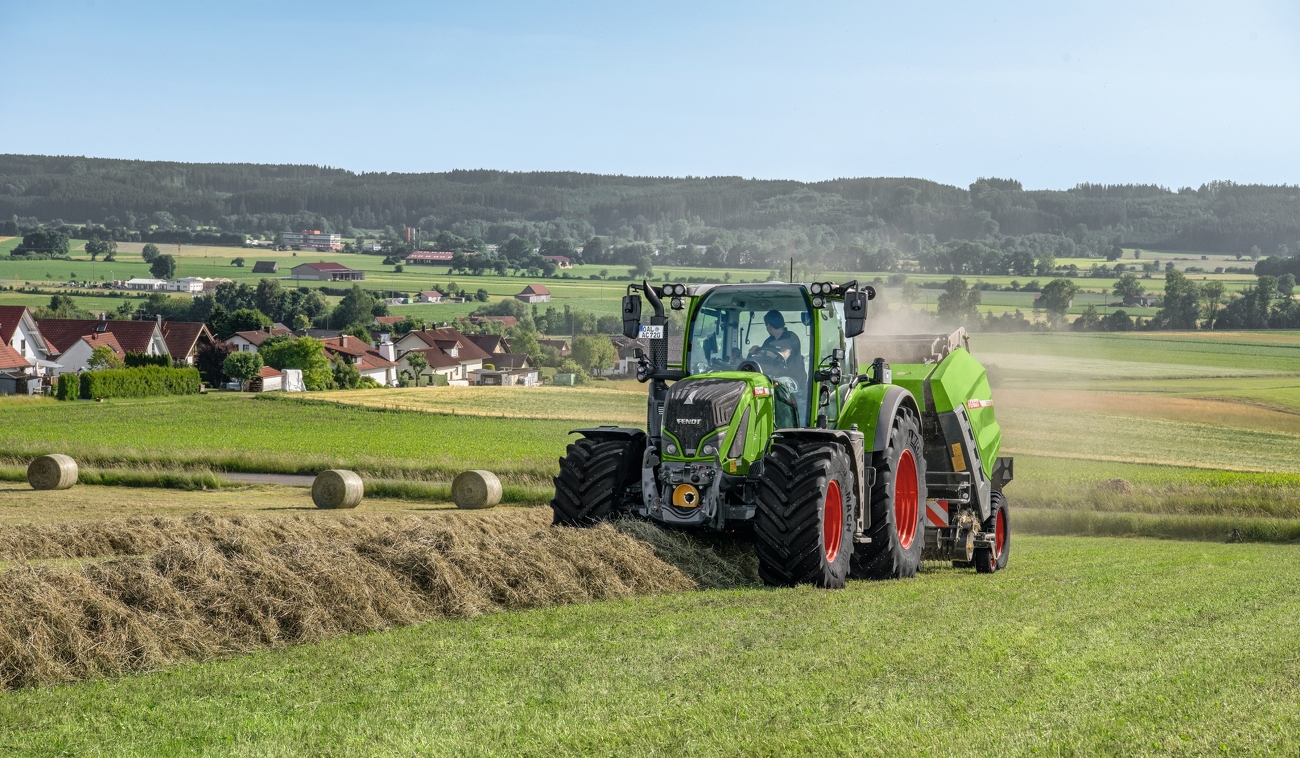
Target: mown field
[{"x": 1081, "y": 647}]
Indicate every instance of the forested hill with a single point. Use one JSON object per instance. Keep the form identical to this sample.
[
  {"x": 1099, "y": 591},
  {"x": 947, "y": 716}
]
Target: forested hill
[{"x": 910, "y": 214}]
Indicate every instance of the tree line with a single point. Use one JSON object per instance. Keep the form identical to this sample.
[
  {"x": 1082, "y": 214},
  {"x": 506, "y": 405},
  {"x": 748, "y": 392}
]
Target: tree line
[{"x": 720, "y": 221}]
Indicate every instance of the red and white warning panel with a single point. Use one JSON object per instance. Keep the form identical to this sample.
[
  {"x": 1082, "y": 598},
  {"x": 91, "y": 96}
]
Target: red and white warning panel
[{"x": 936, "y": 512}]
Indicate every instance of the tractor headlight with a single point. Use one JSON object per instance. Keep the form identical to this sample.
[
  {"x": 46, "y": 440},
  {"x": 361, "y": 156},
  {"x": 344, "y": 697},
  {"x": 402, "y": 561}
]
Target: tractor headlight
[
  {"x": 710, "y": 450},
  {"x": 678, "y": 304},
  {"x": 818, "y": 301},
  {"x": 816, "y": 288},
  {"x": 670, "y": 448}
]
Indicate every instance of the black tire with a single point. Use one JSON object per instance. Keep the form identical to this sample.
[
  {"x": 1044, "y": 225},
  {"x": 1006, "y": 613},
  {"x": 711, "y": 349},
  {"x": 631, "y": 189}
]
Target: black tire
[
  {"x": 796, "y": 505},
  {"x": 894, "y": 553},
  {"x": 989, "y": 561},
  {"x": 595, "y": 475}
]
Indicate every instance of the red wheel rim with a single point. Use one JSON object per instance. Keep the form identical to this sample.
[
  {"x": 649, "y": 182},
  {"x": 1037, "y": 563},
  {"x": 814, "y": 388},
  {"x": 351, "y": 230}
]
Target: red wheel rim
[
  {"x": 832, "y": 521},
  {"x": 1000, "y": 533},
  {"x": 906, "y": 499}
]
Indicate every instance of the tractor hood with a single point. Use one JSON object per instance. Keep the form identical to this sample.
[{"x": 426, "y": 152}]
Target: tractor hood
[
  {"x": 699, "y": 408},
  {"x": 722, "y": 416}
]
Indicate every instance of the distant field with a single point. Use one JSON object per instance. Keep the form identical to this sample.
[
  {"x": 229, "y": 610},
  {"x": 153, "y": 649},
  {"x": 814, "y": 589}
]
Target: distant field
[{"x": 578, "y": 291}]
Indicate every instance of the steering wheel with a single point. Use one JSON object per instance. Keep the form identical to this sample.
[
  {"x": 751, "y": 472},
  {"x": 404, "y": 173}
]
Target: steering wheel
[{"x": 768, "y": 351}]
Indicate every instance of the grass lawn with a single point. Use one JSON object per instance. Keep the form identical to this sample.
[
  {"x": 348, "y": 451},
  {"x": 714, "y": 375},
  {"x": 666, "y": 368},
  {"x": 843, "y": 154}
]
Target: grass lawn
[{"x": 1033, "y": 660}]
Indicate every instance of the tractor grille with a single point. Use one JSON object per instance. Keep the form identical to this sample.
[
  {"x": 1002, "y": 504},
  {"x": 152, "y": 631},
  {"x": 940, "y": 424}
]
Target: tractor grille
[{"x": 699, "y": 406}]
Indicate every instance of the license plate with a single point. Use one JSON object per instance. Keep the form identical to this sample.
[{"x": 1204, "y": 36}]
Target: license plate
[{"x": 651, "y": 332}]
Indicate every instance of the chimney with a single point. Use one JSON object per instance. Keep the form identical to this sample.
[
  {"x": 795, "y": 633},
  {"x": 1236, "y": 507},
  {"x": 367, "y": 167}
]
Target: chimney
[
  {"x": 159, "y": 319},
  {"x": 387, "y": 348},
  {"x": 266, "y": 329}
]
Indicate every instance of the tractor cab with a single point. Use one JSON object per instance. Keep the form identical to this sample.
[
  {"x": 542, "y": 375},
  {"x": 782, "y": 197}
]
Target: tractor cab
[{"x": 766, "y": 329}]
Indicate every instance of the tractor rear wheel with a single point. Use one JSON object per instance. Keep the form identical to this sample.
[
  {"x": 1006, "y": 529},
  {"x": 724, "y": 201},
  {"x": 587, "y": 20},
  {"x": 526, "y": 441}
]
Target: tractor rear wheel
[
  {"x": 988, "y": 560},
  {"x": 594, "y": 477},
  {"x": 803, "y": 531},
  {"x": 897, "y": 505}
]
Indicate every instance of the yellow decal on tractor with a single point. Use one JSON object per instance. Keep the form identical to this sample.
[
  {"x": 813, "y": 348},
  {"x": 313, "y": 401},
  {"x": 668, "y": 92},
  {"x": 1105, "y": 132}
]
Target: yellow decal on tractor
[{"x": 958, "y": 460}]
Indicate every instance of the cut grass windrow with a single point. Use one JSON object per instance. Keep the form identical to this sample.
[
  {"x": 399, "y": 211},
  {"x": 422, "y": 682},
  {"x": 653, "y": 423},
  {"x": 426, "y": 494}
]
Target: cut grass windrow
[
  {"x": 212, "y": 586},
  {"x": 1159, "y": 526}
]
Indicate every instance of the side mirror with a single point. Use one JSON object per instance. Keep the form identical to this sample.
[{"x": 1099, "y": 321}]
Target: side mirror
[
  {"x": 855, "y": 311},
  {"x": 631, "y": 316}
]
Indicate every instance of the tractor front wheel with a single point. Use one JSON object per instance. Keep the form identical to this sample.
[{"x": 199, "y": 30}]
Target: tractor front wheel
[
  {"x": 897, "y": 529},
  {"x": 594, "y": 477},
  {"x": 803, "y": 531},
  {"x": 989, "y": 560}
]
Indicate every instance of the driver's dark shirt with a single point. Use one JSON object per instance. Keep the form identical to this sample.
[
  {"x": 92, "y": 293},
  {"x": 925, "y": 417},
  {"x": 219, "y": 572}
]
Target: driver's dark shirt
[{"x": 787, "y": 341}]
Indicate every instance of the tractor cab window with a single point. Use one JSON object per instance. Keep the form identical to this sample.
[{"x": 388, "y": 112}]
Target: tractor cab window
[{"x": 765, "y": 329}]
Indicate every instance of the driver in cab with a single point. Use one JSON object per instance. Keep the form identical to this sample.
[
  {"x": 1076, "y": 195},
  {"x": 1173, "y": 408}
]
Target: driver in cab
[{"x": 780, "y": 341}]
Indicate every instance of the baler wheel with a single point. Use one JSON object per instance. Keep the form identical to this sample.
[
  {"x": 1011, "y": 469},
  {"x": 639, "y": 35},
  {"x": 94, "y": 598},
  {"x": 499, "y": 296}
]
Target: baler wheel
[
  {"x": 897, "y": 505},
  {"x": 594, "y": 475},
  {"x": 988, "y": 561},
  {"x": 803, "y": 531}
]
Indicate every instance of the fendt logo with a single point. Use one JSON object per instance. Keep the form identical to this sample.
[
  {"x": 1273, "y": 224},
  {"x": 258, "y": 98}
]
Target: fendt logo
[{"x": 688, "y": 421}]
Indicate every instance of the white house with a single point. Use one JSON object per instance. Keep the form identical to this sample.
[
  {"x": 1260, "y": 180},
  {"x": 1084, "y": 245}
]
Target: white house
[
  {"x": 190, "y": 284},
  {"x": 77, "y": 356},
  {"x": 150, "y": 285},
  {"x": 431, "y": 296},
  {"x": 380, "y": 365},
  {"x": 143, "y": 337}
]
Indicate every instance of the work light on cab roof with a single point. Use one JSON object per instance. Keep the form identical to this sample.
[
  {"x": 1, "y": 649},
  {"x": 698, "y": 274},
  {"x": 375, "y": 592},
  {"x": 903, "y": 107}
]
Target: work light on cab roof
[{"x": 843, "y": 454}]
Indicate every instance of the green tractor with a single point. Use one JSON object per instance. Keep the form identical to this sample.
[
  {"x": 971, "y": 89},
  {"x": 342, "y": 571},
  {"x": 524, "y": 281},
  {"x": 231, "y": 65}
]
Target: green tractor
[{"x": 846, "y": 455}]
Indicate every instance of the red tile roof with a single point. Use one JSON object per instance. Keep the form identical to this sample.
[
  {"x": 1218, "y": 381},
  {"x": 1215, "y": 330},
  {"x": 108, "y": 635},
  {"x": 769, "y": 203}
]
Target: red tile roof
[
  {"x": 10, "y": 315},
  {"x": 535, "y": 289},
  {"x": 347, "y": 344},
  {"x": 95, "y": 339},
  {"x": 389, "y": 320},
  {"x": 10, "y": 358},
  {"x": 371, "y": 360},
  {"x": 490, "y": 343},
  {"x": 133, "y": 336},
  {"x": 266, "y": 372},
  {"x": 182, "y": 336}
]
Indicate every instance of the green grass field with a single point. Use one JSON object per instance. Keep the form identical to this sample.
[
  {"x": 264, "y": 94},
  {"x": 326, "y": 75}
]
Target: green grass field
[{"x": 1081, "y": 647}]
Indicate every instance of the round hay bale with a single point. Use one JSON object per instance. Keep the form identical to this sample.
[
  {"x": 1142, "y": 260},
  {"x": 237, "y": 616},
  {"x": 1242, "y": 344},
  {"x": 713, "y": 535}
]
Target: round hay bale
[
  {"x": 337, "y": 489},
  {"x": 52, "y": 472},
  {"x": 476, "y": 489},
  {"x": 1117, "y": 486}
]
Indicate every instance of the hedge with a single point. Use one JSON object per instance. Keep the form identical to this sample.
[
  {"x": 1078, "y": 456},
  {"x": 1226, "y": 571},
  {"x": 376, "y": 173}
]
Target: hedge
[
  {"x": 140, "y": 382},
  {"x": 138, "y": 360},
  {"x": 69, "y": 387}
]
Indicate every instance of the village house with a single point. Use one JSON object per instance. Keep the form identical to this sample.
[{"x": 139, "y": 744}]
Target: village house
[
  {"x": 77, "y": 356},
  {"x": 266, "y": 267},
  {"x": 248, "y": 342},
  {"x": 430, "y": 296},
  {"x": 141, "y": 337},
  {"x": 378, "y": 364},
  {"x": 456, "y": 347},
  {"x": 429, "y": 257},
  {"x": 535, "y": 293},
  {"x": 268, "y": 380},
  {"x": 389, "y": 321},
  {"x": 560, "y": 261},
  {"x": 561, "y": 346},
  {"x": 184, "y": 338},
  {"x": 20, "y": 333},
  {"x": 490, "y": 343}
]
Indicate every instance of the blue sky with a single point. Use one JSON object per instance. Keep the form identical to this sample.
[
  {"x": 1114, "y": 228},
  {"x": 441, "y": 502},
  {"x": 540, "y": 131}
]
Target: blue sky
[{"x": 1052, "y": 94}]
